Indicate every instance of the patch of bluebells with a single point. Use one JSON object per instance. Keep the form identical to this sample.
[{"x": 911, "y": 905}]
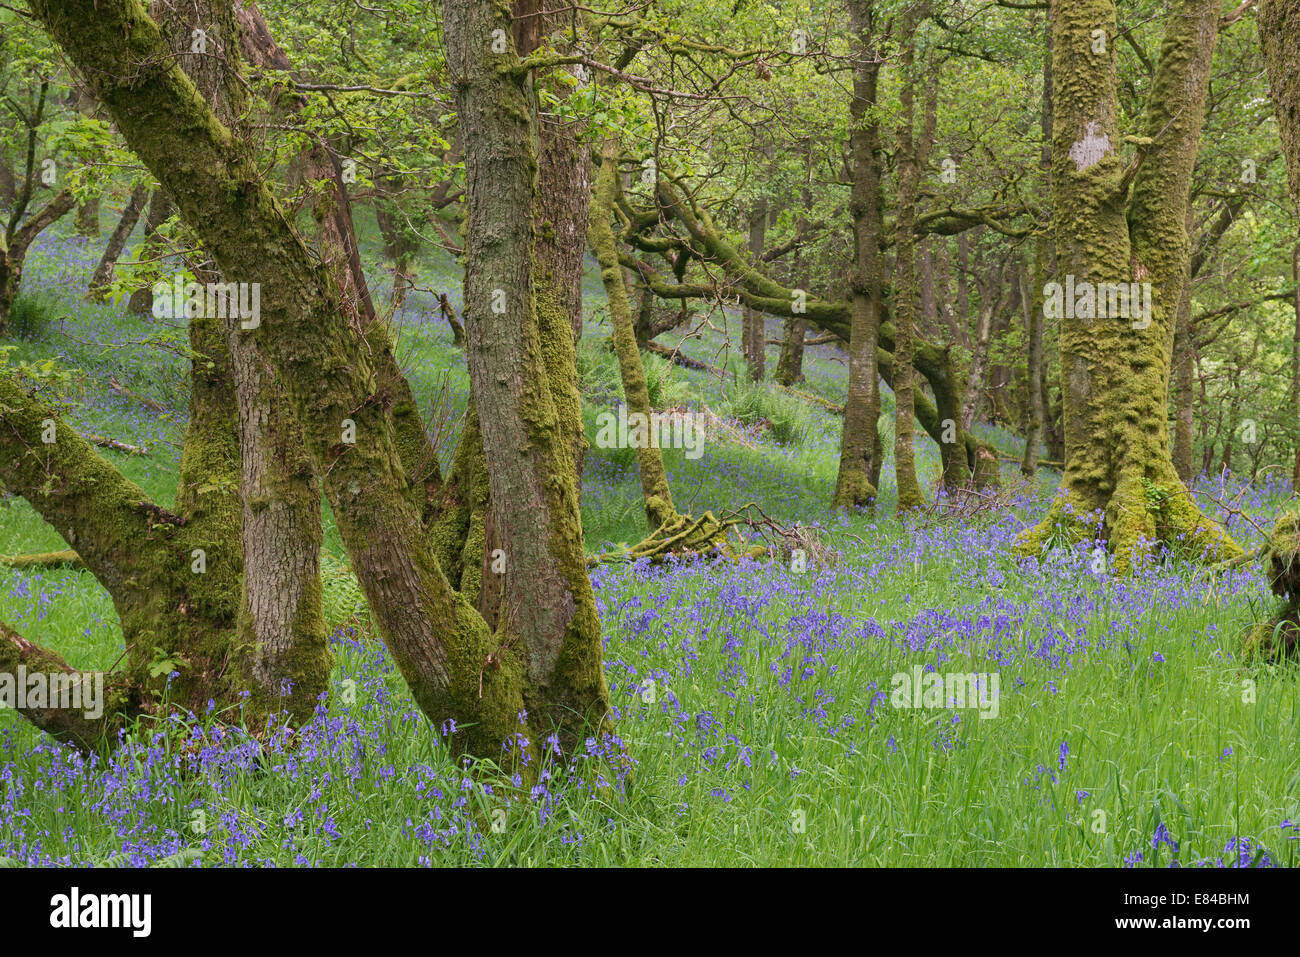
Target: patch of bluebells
[
  {"x": 1238, "y": 852},
  {"x": 187, "y": 792}
]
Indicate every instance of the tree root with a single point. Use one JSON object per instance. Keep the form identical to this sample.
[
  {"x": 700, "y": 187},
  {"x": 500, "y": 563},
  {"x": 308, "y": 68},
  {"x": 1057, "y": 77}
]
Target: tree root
[{"x": 1139, "y": 516}]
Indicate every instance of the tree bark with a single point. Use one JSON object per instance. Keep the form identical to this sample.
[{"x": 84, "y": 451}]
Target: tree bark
[
  {"x": 14, "y": 248},
  {"x": 656, "y": 494},
  {"x": 102, "y": 278},
  {"x": 1184, "y": 390},
  {"x": 1279, "y": 32},
  {"x": 88, "y": 217},
  {"x": 905, "y": 290},
  {"x": 1033, "y": 304},
  {"x": 754, "y": 335},
  {"x": 523, "y": 369},
  {"x": 859, "y": 457},
  {"x": 152, "y": 246}
]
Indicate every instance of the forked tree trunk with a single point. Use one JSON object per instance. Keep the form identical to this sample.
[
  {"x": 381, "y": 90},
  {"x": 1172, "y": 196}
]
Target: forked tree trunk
[
  {"x": 441, "y": 645},
  {"x": 187, "y": 598},
  {"x": 1116, "y": 370},
  {"x": 102, "y": 278},
  {"x": 15, "y": 245},
  {"x": 152, "y": 246}
]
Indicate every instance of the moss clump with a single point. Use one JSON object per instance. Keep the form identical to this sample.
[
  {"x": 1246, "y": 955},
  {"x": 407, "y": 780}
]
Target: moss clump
[{"x": 1280, "y": 635}]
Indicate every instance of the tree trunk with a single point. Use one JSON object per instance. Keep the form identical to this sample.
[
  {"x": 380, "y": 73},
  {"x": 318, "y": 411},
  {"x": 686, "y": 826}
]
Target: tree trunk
[
  {"x": 14, "y": 247},
  {"x": 943, "y": 282},
  {"x": 1184, "y": 389},
  {"x": 754, "y": 334},
  {"x": 524, "y": 376},
  {"x": 1279, "y": 31},
  {"x": 8, "y": 185},
  {"x": 152, "y": 246},
  {"x": 1039, "y": 413},
  {"x": 1031, "y": 294},
  {"x": 564, "y": 197},
  {"x": 789, "y": 366},
  {"x": 1295, "y": 370},
  {"x": 1116, "y": 369},
  {"x": 88, "y": 218},
  {"x": 859, "y": 457},
  {"x": 241, "y": 427},
  {"x": 905, "y": 290},
  {"x": 656, "y": 494},
  {"x": 974, "y": 392},
  {"x": 456, "y": 668},
  {"x": 102, "y": 278}
]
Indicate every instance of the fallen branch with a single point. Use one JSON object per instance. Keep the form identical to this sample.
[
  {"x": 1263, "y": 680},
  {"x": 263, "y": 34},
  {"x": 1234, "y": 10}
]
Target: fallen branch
[
  {"x": 681, "y": 359},
  {"x": 63, "y": 559},
  {"x": 123, "y": 391},
  {"x": 105, "y": 442},
  {"x": 682, "y": 537}
]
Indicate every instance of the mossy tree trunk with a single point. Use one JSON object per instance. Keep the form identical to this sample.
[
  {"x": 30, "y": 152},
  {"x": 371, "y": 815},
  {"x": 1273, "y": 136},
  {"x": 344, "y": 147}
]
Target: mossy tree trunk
[
  {"x": 1295, "y": 365},
  {"x": 656, "y": 494},
  {"x": 1036, "y": 369},
  {"x": 545, "y": 654},
  {"x": 17, "y": 240},
  {"x": 87, "y": 218},
  {"x": 523, "y": 369},
  {"x": 859, "y": 457},
  {"x": 1124, "y": 222},
  {"x": 1184, "y": 389},
  {"x": 191, "y": 597},
  {"x": 1279, "y": 32},
  {"x": 906, "y": 293}
]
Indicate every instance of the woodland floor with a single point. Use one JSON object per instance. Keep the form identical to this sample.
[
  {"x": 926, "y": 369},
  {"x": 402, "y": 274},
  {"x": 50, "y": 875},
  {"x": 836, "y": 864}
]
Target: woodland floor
[{"x": 754, "y": 702}]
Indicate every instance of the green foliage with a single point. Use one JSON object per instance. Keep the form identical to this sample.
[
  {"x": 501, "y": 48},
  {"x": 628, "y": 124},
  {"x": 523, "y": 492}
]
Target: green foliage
[
  {"x": 33, "y": 311},
  {"x": 598, "y": 376},
  {"x": 757, "y": 403},
  {"x": 667, "y": 389}
]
